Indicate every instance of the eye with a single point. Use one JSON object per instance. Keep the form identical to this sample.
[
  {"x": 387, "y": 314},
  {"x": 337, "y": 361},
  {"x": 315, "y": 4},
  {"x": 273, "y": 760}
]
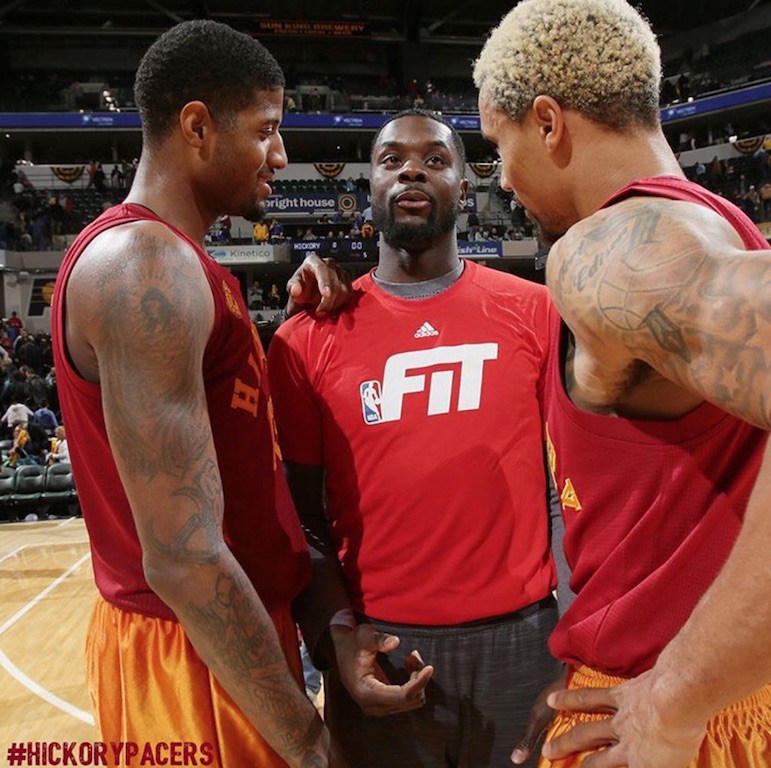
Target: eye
[
  {"x": 435, "y": 160},
  {"x": 390, "y": 159}
]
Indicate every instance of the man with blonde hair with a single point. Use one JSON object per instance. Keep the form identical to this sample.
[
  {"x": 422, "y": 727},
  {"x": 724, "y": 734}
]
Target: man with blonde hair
[{"x": 661, "y": 375}]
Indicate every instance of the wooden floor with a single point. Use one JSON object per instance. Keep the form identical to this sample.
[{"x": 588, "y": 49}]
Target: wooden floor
[{"x": 46, "y": 594}]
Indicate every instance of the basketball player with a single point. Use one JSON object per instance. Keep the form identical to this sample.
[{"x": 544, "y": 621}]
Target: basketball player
[
  {"x": 659, "y": 418},
  {"x": 416, "y": 413},
  {"x": 197, "y": 550}
]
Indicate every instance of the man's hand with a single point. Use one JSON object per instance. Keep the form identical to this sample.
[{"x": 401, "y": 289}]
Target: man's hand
[
  {"x": 540, "y": 718},
  {"x": 317, "y": 284},
  {"x": 640, "y": 732},
  {"x": 356, "y": 652}
]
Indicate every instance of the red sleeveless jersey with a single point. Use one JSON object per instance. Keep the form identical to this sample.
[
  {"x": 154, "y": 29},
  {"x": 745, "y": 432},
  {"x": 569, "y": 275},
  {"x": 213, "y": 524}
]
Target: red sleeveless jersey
[
  {"x": 651, "y": 508},
  {"x": 260, "y": 523}
]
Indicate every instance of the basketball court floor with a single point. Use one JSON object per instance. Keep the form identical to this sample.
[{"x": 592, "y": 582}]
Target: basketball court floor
[{"x": 46, "y": 595}]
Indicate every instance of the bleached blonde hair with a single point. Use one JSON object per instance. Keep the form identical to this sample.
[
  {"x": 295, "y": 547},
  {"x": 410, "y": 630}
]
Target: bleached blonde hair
[{"x": 598, "y": 57}]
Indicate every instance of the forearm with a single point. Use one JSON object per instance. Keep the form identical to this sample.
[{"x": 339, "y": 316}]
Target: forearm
[
  {"x": 232, "y": 632},
  {"x": 721, "y": 653},
  {"x": 327, "y": 593},
  {"x": 326, "y": 596}
]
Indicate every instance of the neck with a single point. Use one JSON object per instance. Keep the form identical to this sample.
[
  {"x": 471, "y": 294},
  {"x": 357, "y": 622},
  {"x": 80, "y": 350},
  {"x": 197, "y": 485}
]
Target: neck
[
  {"x": 625, "y": 157},
  {"x": 398, "y": 264},
  {"x": 169, "y": 193}
]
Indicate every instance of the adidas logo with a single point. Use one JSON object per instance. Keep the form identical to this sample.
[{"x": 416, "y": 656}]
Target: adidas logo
[{"x": 426, "y": 330}]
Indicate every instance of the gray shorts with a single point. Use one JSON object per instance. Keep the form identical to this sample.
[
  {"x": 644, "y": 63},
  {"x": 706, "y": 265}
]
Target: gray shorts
[{"x": 486, "y": 676}]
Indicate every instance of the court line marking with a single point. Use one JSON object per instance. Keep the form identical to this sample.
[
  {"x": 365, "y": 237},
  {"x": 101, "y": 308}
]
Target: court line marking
[
  {"x": 35, "y": 600},
  {"x": 44, "y": 544},
  {"x": 15, "y": 552},
  {"x": 44, "y": 693},
  {"x": 23, "y": 678}
]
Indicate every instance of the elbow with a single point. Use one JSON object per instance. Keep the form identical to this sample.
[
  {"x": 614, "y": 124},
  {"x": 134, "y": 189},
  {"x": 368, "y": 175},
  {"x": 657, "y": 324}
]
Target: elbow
[{"x": 174, "y": 577}]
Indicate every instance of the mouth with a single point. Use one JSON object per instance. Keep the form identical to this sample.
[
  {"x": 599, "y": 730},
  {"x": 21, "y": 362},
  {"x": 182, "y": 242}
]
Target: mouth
[
  {"x": 264, "y": 187},
  {"x": 413, "y": 201}
]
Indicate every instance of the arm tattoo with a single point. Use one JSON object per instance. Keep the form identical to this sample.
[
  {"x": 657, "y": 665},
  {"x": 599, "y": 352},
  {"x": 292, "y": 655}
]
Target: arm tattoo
[
  {"x": 672, "y": 285},
  {"x": 667, "y": 334},
  {"x": 148, "y": 333},
  {"x": 195, "y": 541},
  {"x": 245, "y": 644}
]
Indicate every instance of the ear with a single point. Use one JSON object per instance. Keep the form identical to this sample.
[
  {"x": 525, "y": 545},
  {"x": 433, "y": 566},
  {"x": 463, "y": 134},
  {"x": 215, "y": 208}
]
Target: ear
[
  {"x": 550, "y": 120},
  {"x": 463, "y": 194},
  {"x": 196, "y": 123}
]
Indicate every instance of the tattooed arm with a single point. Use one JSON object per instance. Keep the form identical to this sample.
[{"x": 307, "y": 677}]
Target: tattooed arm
[
  {"x": 140, "y": 313},
  {"x": 669, "y": 286}
]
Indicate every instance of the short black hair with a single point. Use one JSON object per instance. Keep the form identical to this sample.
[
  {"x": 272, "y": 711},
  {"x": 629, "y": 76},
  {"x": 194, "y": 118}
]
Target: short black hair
[
  {"x": 201, "y": 61},
  {"x": 456, "y": 137}
]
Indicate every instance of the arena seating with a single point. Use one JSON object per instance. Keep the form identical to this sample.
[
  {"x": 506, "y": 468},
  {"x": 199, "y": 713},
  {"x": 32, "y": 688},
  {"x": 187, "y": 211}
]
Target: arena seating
[{"x": 34, "y": 488}]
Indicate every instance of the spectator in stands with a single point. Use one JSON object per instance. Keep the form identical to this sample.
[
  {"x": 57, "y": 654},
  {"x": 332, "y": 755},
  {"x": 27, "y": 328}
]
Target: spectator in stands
[
  {"x": 367, "y": 230},
  {"x": 46, "y": 418},
  {"x": 68, "y": 204},
  {"x": 56, "y": 215},
  {"x": 18, "y": 453},
  {"x": 38, "y": 443},
  {"x": 255, "y": 295},
  {"x": 18, "y": 414},
  {"x": 59, "y": 450},
  {"x": 274, "y": 297},
  {"x": 276, "y": 231},
  {"x": 765, "y": 200},
  {"x": 116, "y": 177},
  {"x": 21, "y": 341},
  {"x": 31, "y": 355},
  {"x": 100, "y": 178},
  {"x": 130, "y": 172},
  {"x": 14, "y": 324},
  {"x": 5, "y": 342},
  {"x": 41, "y": 232},
  {"x": 91, "y": 174},
  {"x": 362, "y": 183},
  {"x": 683, "y": 87},
  {"x": 16, "y": 389},
  {"x": 753, "y": 196},
  {"x": 473, "y": 225},
  {"x": 51, "y": 391},
  {"x": 260, "y": 232}
]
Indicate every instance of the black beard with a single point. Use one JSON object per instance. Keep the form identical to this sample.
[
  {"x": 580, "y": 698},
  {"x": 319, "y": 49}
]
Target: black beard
[
  {"x": 256, "y": 214},
  {"x": 403, "y": 234}
]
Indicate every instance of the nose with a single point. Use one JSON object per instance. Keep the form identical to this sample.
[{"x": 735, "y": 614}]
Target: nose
[
  {"x": 411, "y": 171},
  {"x": 277, "y": 158},
  {"x": 505, "y": 183}
]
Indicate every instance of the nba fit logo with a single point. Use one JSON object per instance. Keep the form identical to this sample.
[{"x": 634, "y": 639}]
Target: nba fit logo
[{"x": 439, "y": 369}]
